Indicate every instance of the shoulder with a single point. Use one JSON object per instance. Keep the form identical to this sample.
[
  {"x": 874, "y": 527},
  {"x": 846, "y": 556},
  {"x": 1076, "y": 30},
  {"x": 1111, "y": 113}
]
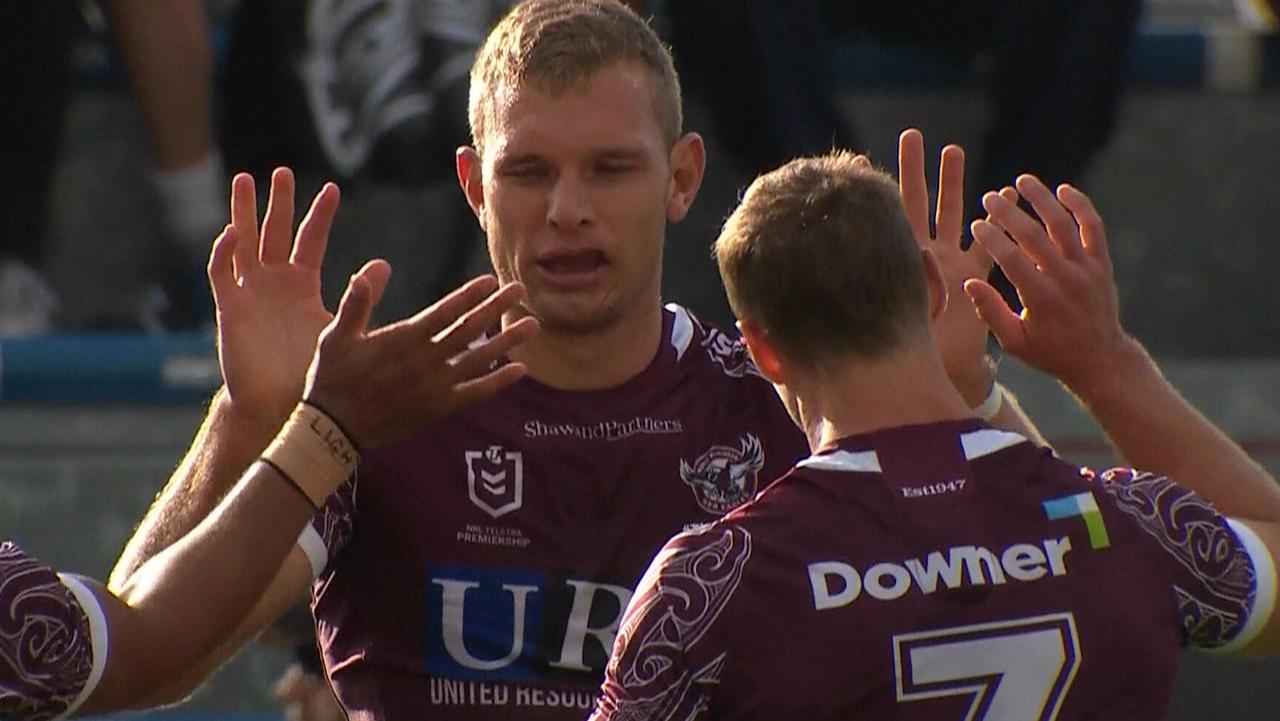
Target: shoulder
[
  {"x": 692, "y": 579},
  {"x": 1219, "y": 574}
]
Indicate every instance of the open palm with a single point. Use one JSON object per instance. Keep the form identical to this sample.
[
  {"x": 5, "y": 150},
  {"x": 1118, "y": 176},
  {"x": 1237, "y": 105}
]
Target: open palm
[{"x": 266, "y": 286}]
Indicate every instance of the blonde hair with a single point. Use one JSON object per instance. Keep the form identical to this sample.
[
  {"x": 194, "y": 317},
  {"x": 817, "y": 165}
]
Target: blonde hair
[
  {"x": 819, "y": 254},
  {"x": 557, "y": 43}
]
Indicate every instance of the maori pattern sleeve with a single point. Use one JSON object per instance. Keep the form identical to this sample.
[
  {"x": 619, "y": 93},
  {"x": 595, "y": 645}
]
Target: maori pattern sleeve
[
  {"x": 652, "y": 676},
  {"x": 1222, "y": 579},
  {"x": 46, "y": 652}
]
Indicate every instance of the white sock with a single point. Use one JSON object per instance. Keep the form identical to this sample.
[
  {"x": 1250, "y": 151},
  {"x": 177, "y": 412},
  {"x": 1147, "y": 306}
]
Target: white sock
[{"x": 193, "y": 202}]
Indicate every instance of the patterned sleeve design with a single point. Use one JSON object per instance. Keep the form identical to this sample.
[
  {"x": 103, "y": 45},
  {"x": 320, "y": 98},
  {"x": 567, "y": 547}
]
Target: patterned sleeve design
[
  {"x": 46, "y": 652},
  {"x": 331, "y": 527},
  {"x": 1215, "y": 576},
  {"x": 689, "y": 584}
]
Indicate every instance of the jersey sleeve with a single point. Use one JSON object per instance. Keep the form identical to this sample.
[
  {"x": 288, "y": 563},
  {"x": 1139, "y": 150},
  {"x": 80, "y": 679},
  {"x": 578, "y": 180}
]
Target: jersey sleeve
[
  {"x": 331, "y": 528},
  {"x": 1222, "y": 577},
  {"x": 53, "y": 639},
  {"x": 658, "y": 671}
]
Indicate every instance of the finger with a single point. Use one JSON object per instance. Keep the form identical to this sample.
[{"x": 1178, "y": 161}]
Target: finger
[
  {"x": 489, "y": 385},
  {"x": 313, "y": 232},
  {"x": 1008, "y": 193},
  {"x": 1005, "y": 325},
  {"x": 1024, "y": 229},
  {"x": 1093, "y": 236},
  {"x": 480, "y": 357},
  {"x": 1012, "y": 258},
  {"x": 911, "y": 182},
  {"x": 221, "y": 268},
  {"x": 950, "y": 216},
  {"x": 277, "y": 227},
  {"x": 244, "y": 218},
  {"x": 446, "y": 311},
  {"x": 355, "y": 308},
  {"x": 1061, "y": 226},
  {"x": 479, "y": 319},
  {"x": 378, "y": 273},
  {"x": 862, "y": 161}
]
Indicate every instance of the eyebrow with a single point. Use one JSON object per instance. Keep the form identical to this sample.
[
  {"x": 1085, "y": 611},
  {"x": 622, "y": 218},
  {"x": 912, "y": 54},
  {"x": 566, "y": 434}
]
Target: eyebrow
[{"x": 632, "y": 153}]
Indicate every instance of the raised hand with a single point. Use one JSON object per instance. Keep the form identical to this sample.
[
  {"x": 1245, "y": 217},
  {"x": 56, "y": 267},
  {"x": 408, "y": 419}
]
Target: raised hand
[
  {"x": 383, "y": 383},
  {"x": 266, "y": 285},
  {"x": 959, "y": 333},
  {"x": 1070, "y": 323}
]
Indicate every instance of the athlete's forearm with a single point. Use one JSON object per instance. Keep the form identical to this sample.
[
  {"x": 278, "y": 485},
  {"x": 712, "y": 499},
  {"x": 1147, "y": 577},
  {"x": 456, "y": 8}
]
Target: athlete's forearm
[
  {"x": 223, "y": 448},
  {"x": 188, "y": 600},
  {"x": 1155, "y": 429},
  {"x": 182, "y": 603}
]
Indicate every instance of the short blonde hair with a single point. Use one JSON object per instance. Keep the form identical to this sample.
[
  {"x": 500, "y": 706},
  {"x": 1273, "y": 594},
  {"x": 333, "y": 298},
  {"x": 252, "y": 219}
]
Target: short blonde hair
[
  {"x": 819, "y": 254},
  {"x": 557, "y": 43}
]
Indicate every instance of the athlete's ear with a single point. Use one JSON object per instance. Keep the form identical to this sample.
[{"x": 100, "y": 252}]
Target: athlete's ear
[
  {"x": 688, "y": 161},
  {"x": 470, "y": 168},
  {"x": 936, "y": 281},
  {"x": 763, "y": 352}
]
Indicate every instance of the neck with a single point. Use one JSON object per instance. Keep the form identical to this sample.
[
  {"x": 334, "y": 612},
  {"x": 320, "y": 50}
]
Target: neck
[
  {"x": 594, "y": 360},
  {"x": 907, "y": 387}
]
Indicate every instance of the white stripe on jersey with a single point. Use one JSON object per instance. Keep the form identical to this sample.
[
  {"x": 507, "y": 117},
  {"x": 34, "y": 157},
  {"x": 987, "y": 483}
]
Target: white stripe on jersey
[
  {"x": 98, "y": 637},
  {"x": 862, "y": 462},
  {"x": 681, "y": 329},
  {"x": 313, "y": 546},
  {"x": 987, "y": 441},
  {"x": 1264, "y": 596}
]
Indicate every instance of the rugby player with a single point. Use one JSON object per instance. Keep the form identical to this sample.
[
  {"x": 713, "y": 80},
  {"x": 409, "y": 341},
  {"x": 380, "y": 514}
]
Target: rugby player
[
  {"x": 921, "y": 564},
  {"x": 68, "y": 646},
  {"x": 479, "y": 568}
]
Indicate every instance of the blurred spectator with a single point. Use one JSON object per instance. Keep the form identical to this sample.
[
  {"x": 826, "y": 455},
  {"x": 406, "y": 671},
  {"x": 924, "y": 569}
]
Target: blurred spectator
[
  {"x": 367, "y": 91},
  {"x": 35, "y": 44},
  {"x": 166, "y": 49},
  {"x": 303, "y": 691},
  {"x": 1055, "y": 74},
  {"x": 1260, "y": 15}
]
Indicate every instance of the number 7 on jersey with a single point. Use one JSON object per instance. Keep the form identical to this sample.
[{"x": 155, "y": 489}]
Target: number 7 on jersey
[{"x": 1013, "y": 670}]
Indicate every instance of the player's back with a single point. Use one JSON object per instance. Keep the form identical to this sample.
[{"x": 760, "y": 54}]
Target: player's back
[{"x": 950, "y": 571}]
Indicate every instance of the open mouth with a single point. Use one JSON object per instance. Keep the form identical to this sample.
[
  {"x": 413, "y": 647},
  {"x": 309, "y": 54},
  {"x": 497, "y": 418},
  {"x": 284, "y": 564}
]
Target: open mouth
[{"x": 572, "y": 267}]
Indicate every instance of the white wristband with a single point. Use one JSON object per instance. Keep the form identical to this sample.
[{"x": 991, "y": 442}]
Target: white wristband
[{"x": 988, "y": 408}]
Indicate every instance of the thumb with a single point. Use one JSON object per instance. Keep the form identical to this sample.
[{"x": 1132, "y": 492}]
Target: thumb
[
  {"x": 355, "y": 307},
  {"x": 1005, "y": 325},
  {"x": 378, "y": 273},
  {"x": 221, "y": 267}
]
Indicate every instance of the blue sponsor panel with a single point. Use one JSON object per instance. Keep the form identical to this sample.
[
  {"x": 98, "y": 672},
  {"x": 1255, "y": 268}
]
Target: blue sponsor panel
[{"x": 486, "y": 623}]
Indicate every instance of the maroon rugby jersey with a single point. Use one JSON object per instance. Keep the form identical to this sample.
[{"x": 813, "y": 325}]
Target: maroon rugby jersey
[
  {"x": 945, "y": 571},
  {"x": 479, "y": 570},
  {"x": 52, "y": 639}
]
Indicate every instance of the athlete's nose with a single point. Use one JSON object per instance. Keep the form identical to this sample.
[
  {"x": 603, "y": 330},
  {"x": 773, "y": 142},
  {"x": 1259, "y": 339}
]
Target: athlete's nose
[{"x": 570, "y": 203}]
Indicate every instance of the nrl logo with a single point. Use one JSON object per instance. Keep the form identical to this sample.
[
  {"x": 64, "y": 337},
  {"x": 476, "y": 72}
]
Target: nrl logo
[
  {"x": 495, "y": 480},
  {"x": 724, "y": 477}
]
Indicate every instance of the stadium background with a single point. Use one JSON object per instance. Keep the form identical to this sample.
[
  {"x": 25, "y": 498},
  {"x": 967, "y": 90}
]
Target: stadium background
[{"x": 90, "y": 426}]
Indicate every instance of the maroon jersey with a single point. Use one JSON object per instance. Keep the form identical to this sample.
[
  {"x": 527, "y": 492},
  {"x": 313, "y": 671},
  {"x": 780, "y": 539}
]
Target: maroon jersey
[
  {"x": 52, "y": 639},
  {"x": 945, "y": 571},
  {"x": 479, "y": 569}
]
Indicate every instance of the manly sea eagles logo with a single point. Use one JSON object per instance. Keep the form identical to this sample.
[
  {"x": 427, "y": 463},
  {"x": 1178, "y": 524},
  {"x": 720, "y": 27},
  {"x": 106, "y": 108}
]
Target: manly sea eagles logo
[
  {"x": 725, "y": 477},
  {"x": 730, "y": 354},
  {"x": 495, "y": 480}
]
